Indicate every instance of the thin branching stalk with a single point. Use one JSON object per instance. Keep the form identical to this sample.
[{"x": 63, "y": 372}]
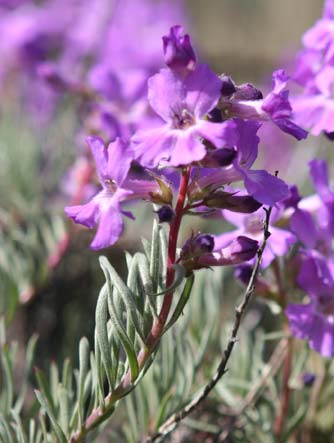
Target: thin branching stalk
[{"x": 171, "y": 423}]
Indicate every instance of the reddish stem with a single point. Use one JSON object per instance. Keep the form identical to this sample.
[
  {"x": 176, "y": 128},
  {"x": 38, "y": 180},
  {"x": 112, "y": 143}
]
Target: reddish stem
[{"x": 172, "y": 244}]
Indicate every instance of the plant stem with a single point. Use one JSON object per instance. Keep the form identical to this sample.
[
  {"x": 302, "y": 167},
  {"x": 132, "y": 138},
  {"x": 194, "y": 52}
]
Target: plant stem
[
  {"x": 170, "y": 424},
  {"x": 98, "y": 415}
]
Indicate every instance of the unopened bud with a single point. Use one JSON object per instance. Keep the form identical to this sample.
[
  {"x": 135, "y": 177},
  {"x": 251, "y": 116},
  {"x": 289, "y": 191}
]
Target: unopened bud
[
  {"x": 179, "y": 54},
  {"x": 247, "y": 91},
  {"x": 308, "y": 379},
  {"x": 236, "y": 203},
  {"x": 196, "y": 246},
  {"x": 241, "y": 249},
  {"x": 165, "y": 195},
  {"x": 228, "y": 87},
  {"x": 165, "y": 214},
  {"x": 219, "y": 158}
]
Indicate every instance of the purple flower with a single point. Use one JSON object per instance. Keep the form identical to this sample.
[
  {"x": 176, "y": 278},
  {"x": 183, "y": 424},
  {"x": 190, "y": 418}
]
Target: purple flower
[
  {"x": 178, "y": 52},
  {"x": 315, "y": 107},
  {"x": 182, "y": 104},
  {"x": 242, "y": 136},
  {"x": 313, "y": 218},
  {"x": 274, "y": 107},
  {"x": 320, "y": 36},
  {"x": 315, "y": 321},
  {"x": 113, "y": 165},
  {"x": 251, "y": 225}
]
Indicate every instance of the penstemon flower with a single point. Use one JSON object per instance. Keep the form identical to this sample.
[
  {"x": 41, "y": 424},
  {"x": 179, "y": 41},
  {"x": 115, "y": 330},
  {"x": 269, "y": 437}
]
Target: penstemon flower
[{"x": 113, "y": 166}]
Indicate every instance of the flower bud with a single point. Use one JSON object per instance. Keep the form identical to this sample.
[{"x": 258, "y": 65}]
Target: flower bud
[
  {"x": 308, "y": 379},
  {"x": 178, "y": 52},
  {"x": 164, "y": 196},
  {"x": 219, "y": 158},
  {"x": 196, "y": 246},
  {"x": 228, "y": 87},
  {"x": 239, "y": 250},
  {"x": 247, "y": 91},
  {"x": 215, "y": 115},
  {"x": 165, "y": 214},
  {"x": 237, "y": 203}
]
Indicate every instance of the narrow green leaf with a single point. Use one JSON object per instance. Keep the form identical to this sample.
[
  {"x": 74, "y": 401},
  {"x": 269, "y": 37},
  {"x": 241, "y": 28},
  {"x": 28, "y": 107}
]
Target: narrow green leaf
[
  {"x": 295, "y": 421},
  {"x": 146, "y": 281},
  {"x": 83, "y": 369},
  {"x": 113, "y": 279},
  {"x": 123, "y": 337},
  {"x": 182, "y": 301},
  {"x": 45, "y": 405},
  {"x": 45, "y": 389},
  {"x": 101, "y": 318},
  {"x": 30, "y": 353},
  {"x": 32, "y": 431},
  {"x": 20, "y": 434},
  {"x": 5, "y": 432},
  {"x": 8, "y": 378}
]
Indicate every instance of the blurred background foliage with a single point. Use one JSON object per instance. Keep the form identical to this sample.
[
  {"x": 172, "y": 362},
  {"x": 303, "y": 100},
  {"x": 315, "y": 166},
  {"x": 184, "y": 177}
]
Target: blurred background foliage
[{"x": 246, "y": 39}]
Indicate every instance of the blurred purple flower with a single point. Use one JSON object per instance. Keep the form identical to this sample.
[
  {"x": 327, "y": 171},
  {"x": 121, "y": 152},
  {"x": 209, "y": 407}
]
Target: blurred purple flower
[
  {"x": 251, "y": 225},
  {"x": 315, "y": 321}
]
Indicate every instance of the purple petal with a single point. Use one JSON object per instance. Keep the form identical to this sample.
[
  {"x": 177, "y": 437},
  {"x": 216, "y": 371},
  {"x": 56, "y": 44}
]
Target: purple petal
[
  {"x": 319, "y": 174},
  {"x": 280, "y": 241},
  {"x": 315, "y": 277},
  {"x": 86, "y": 215},
  {"x": 265, "y": 187},
  {"x": 187, "y": 148},
  {"x": 219, "y": 134},
  {"x": 202, "y": 90},
  {"x": 302, "y": 224},
  {"x": 248, "y": 141},
  {"x": 120, "y": 156},
  {"x": 301, "y": 318},
  {"x": 153, "y": 145},
  {"x": 222, "y": 240},
  {"x": 291, "y": 128},
  {"x": 322, "y": 336},
  {"x": 100, "y": 155},
  {"x": 110, "y": 228},
  {"x": 166, "y": 93}
]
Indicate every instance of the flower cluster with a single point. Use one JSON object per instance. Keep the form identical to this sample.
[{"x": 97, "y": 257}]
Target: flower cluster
[
  {"x": 191, "y": 131},
  {"x": 313, "y": 223},
  {"x": 314, "y": 108}
]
